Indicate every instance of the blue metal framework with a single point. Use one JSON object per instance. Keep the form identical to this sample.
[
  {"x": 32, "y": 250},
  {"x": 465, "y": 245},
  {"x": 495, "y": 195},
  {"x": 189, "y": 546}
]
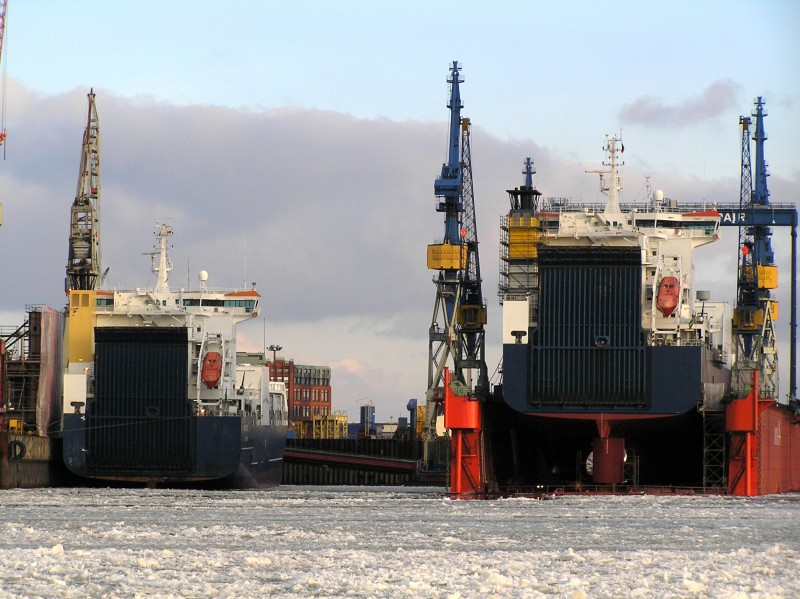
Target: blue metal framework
[{"x": 757, "y": 273}]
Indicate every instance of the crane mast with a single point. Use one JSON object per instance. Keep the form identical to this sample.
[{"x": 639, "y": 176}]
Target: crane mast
[
  {"x": 756, "y": 311},
  {"x": 83, "y": 264},
  {"x": 456, "y": 334},
  {"x": 472, "y": 314},
  {"x": 3, "y": 13}
]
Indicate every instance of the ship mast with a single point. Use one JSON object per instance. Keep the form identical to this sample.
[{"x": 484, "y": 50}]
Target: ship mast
[
  {"x": 83, "y": 264},
  {"x": 614, "y": 186},
  {"x": 164, "y": 263}
]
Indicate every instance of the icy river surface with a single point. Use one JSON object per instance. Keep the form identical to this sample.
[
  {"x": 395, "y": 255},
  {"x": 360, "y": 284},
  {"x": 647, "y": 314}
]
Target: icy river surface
[{"x": 392, "y": 542}]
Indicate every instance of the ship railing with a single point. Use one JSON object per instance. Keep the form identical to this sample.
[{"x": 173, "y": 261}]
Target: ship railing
[
  {"x": 664, "y": 338},
  {"x": 214, "y": 412},
  {"x": 559, "y": 205}
]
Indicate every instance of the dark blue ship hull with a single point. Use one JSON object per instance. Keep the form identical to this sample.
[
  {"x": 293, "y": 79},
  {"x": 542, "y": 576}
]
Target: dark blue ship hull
[
  {"x": 207, "y": 451},
  {"x": 140, "y": 426}
]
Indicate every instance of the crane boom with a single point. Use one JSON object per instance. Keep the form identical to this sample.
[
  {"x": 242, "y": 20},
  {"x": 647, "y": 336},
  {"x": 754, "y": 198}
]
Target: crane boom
[{"x": 83, "y": 263}]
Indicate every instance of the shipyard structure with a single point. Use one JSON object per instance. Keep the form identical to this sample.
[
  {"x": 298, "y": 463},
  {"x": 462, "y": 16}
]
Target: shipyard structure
[{"x": 620, "y": 371}]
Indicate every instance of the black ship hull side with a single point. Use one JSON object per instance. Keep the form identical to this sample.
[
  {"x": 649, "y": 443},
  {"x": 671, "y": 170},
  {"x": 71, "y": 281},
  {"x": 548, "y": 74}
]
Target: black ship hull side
[
  {"x": 674, "y": 379},
  {"x": 226, "y": 452}
]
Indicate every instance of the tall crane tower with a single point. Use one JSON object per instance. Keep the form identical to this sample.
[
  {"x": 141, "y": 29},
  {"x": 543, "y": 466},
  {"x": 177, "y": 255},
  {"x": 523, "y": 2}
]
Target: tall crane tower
[
  {"x": 3, "y": 13},
  {"x": 756, "y": 311},
  {"x": 456, "y": 333},
  {"x": 83, "y": 264},
  {"x": 755, "y": 372}
]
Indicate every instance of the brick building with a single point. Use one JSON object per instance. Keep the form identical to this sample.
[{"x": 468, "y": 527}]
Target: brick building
[{"x": 309, "y": 391}]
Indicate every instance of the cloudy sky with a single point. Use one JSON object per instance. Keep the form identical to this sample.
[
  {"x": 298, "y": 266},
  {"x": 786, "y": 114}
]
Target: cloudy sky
[{"x": 295, "y": 144}]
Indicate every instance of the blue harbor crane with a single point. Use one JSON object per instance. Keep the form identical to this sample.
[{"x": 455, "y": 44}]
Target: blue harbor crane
[
  {"x": 756, "y": 311},
  {"x": 456, "y": 335}
]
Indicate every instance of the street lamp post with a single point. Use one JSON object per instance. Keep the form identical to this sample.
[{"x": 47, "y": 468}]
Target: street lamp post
[{"x": 274, "y": 349}]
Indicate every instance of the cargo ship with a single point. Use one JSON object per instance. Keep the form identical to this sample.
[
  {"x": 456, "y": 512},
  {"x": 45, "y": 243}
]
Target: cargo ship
[
  {"x": 619, "y": 371},
  {"x": 30, "y": 401},
  {"x": 155, "y": 393},
  {"x": 609, "y": 346}
]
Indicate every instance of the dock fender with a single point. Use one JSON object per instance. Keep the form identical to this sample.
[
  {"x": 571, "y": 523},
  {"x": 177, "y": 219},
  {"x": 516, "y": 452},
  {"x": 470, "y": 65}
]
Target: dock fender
[{"x": 16, "y": 450}]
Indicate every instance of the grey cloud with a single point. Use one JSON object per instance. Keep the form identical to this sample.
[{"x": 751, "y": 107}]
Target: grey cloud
[{"x": 712, "y": 102}]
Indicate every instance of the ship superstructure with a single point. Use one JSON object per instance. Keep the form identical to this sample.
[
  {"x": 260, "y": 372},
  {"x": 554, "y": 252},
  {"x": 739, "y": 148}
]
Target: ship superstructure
[{"x": 153, "y": 391}]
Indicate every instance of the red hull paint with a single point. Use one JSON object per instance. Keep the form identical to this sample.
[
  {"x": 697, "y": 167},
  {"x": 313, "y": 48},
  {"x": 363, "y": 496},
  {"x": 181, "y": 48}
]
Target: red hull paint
[
  {"x": 764, "y": 446},
  {"x": 779, "y": 449},
  {"x": 462, "y": 415}
]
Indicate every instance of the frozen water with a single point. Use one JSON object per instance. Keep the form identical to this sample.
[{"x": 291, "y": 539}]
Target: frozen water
[{"x": 392, "y": 542}]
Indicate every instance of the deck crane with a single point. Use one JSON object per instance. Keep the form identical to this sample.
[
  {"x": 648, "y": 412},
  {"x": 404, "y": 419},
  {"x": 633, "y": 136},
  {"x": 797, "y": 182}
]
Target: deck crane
[
  {"x": 83, "y": 263},
  {"x": 456, "y": 334}
]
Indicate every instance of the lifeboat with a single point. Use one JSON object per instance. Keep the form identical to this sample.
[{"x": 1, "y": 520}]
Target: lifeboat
[
  {"x": 212, "y": 369},
  {"x": 668, "y": 295}
]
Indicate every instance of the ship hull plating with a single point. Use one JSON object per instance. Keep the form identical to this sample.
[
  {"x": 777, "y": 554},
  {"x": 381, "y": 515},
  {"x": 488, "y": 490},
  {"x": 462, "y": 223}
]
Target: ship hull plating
[{"x": 222, "y": 452}]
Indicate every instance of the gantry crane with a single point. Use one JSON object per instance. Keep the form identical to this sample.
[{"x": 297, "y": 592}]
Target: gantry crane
[
  {"x": 83, "y": 264},
  {"x": 456, "y": 335}
]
